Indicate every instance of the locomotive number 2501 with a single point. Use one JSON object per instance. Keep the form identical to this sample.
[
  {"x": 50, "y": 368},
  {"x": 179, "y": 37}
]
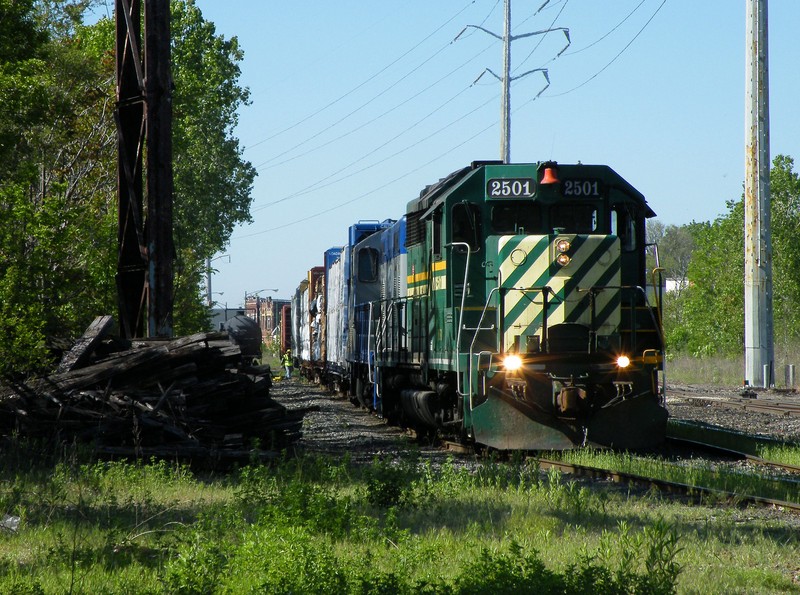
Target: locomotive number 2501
[
  {"x": 582, "y": 188},
  {"x": 510, "y": 187}
]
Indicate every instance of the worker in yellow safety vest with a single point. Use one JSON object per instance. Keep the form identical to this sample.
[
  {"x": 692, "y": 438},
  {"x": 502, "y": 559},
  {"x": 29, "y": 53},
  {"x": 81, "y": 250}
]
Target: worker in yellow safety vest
[{"x": 286, "y": 362}]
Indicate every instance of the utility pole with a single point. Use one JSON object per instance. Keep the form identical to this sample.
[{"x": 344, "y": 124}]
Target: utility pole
[
  {"x": 507, "y": 79},
  {"x": 758, "y": 321}
]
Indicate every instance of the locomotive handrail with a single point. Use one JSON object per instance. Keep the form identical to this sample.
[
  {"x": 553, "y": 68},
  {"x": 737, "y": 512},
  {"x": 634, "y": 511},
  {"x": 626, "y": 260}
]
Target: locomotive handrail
[
  {"x": 544, "y": 289},
  {"x": 478, "y": 328},
  {"x": 370, "y": 371},
  {"x": 461, "y": 322},
  {"x": 643, "y": 291},
  {"x": 472, "y": 344}
]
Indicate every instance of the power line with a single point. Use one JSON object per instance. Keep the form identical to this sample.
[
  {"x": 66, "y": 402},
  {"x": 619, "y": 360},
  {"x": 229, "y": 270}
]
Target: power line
[
  {"x": 367, "y": 80},
  {"x": 614, "y": 59},
  {"x": 382, "y": 115},
  {"x": 617, "y": 26},
  {"x": 374, "y": 190},
  {"x": 354, "y": 111},
  {"x": 319, "y": 184}
]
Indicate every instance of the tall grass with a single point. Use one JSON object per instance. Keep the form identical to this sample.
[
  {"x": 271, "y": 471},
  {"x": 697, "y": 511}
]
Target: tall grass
[
  {"x": 727, "y": 371},
  {"x": 319, "y": 525}
]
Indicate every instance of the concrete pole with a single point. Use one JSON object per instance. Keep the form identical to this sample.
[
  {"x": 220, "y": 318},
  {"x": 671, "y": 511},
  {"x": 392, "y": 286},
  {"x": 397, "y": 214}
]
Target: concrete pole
[{"x": 758, "y": 322}]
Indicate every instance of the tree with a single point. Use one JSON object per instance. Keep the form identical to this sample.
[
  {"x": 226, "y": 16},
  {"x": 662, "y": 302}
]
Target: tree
[
  {"x": 785, "y": 211},
  {"x": 675, "y": 247},
  {"x": 212, "y": 181},
  {"x": 709, "y": 317},
  {"x": 53, "y": 257},
  {"x": 58, "y": 165}
]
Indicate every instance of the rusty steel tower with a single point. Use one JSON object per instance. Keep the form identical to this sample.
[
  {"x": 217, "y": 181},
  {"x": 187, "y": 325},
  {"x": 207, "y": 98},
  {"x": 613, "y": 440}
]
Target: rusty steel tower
[{"x": 143, "y": 117}]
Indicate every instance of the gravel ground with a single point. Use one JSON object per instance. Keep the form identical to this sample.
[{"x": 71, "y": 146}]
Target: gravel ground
[
  {"x": 713, "y": 409},
  {"x": 338, "y": 426}
]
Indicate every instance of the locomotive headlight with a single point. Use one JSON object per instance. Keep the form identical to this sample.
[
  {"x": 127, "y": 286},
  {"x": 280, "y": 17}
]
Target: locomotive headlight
[
  {"x": 623, "y": 361},
  {"x": 512, "y": 362},
  {"x": 563, "y": 245},
  {"x": 563, "y": 259}
]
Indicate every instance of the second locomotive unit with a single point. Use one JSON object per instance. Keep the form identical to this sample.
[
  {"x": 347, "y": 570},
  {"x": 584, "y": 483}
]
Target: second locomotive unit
[{"x": 510, "y": 307}]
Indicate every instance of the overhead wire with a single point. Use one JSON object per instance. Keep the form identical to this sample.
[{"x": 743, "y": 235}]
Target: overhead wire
[
  {"x": 614, "y": 59},
  {"x": 373, "y": 190},
  {"x": 317, "y": 186},
  {"x": 319, "y": 183},
  {"x": 383, "y": 114},
  {"x": 617, "y": 26},
  {"x": 359, "y": 108},
  {"x": 363, "y": 83}
]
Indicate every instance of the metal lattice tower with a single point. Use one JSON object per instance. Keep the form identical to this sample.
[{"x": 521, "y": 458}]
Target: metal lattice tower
[{"x": 144, "y": 124}]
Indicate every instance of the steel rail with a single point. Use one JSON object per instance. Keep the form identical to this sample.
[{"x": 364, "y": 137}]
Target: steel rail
[
  {"x": 662, "y": 484},
  {"x": 734, "y": 453}
]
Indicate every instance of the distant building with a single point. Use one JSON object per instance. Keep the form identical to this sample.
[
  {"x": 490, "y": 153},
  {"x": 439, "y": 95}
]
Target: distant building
[
  {"x": 267, "y": 312},
  {"x": 675, "y": 285}
]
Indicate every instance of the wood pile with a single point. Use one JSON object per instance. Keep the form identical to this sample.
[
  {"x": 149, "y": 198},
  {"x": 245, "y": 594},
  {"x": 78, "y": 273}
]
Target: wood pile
[{"x": 192, "y": 397}]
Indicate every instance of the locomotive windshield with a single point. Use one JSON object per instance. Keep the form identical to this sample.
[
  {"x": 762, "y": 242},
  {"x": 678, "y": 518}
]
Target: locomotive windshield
[
  {"x": 574, "y": 218},
  {"x": 515, "y": 219}
]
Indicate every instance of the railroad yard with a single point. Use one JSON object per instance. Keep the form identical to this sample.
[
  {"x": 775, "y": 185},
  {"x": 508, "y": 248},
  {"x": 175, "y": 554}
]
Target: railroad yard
[
  {"x": 333, "y": 426},
  {"x": 338, "y": 425},
  {"x": 729, "y": 409}
]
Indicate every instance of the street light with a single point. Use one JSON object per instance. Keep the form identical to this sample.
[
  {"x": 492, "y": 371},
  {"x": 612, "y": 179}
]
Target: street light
[
  {"x": 209, "y": 260},
  {"x": 254, "y": 294},
  {"x": 216, "y": 293}
]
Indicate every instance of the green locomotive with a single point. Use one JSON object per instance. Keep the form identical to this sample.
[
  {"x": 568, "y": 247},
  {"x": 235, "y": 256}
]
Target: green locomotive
[{"x": 527, "y": 318}]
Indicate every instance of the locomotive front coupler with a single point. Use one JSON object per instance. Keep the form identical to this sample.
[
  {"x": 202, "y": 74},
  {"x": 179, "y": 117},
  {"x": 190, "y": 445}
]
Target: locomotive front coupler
[{"x": 569, "y": 397}]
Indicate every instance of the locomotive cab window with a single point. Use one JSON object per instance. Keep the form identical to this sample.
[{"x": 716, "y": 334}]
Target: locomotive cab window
[
  {"x": 623, "y": 225},
  {"x": 574, "y": 218},
  {"x": 466, "y": 220},
  {"x": 368, "y": 265},
  {"x": 515, "y": 219}
]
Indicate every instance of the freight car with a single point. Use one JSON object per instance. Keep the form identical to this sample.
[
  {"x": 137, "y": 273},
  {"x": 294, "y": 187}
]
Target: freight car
[{"x": 509, "y": 307}]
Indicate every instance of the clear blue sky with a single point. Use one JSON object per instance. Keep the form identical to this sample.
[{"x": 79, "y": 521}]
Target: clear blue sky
[{"x": 356, "y": 106}]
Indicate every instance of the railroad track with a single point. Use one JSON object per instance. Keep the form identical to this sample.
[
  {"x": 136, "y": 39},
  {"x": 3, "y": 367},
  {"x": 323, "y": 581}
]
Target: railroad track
[
  {"x": 757, "y": 402},
  {"x": 744, "y": 446},
  {"x": 696, "y": 437},
  {"x": 693, "y": 491}
]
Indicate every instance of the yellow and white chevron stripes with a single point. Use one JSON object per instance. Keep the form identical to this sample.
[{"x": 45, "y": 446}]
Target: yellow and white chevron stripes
[{"x": 528, "y": 264}]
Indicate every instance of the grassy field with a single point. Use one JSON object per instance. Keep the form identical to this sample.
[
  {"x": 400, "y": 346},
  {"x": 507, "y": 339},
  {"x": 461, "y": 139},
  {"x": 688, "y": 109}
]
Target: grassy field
[
  {"x": 318, "y": 525},
  {"x": 726, "y": 371}
]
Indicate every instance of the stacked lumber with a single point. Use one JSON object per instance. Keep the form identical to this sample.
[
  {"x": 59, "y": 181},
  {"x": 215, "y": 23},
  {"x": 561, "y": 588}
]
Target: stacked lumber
[{"x": 191, "y": 397}]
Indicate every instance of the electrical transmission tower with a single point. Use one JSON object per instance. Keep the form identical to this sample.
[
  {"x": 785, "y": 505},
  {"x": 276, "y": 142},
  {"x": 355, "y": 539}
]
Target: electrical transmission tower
[{"x": 506, "y": 79}]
